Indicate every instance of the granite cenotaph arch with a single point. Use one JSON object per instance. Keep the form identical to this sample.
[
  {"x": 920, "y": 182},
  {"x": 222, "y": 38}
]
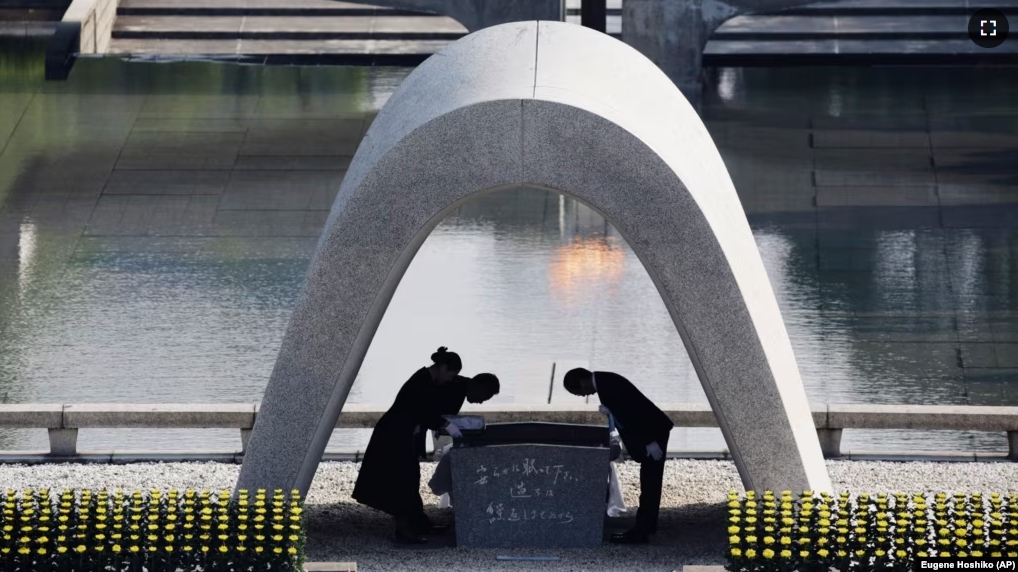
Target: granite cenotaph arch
[{"x": 561, "y": 107}]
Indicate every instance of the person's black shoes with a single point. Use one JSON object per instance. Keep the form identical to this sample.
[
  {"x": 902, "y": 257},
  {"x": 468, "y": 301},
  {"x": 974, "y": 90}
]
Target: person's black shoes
[
  {"x": 406, "y": 533},
  {"x": 423, "y": 526},
  {"x": 631, "y": 536},
  {"x": 401, "y": 537}
]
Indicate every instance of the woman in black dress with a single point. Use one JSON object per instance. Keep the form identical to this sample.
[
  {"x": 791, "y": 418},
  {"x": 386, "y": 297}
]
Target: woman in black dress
[{"x": 390, "y": 474}]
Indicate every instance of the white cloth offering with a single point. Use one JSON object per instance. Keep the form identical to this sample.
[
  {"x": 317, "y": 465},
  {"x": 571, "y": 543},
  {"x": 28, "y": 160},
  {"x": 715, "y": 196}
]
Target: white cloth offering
[
  {"x": 616, "y": 504},
  {"x": 466, "y": 422}
]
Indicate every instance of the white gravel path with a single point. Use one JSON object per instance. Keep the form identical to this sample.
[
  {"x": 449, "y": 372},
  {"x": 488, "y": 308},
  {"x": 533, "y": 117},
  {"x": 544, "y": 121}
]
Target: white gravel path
[{"x": 691, "y": 517}]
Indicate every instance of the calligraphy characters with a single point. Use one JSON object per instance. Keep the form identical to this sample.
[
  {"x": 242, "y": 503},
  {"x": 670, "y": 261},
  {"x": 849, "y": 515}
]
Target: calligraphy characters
[
  {"x": 520, "y": 491},
  {"x": 528, "y": 468},
  {"x": 497, "y": 512},
  {"x": 530, "y": 484}
]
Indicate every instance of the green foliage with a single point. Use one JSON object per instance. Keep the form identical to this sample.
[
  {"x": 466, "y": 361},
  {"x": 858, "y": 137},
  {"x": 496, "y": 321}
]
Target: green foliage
[
  {"x": 92, "y": 531},
  {"x": 865, "y": 532}
]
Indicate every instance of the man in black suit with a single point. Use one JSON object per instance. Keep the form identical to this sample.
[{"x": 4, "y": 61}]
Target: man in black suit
[{"x": 644, "y": 430}]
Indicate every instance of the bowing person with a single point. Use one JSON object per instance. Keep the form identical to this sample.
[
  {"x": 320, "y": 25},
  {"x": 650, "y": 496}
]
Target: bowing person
[
  {"x": 644, "y": 430},
  {"x": 450, "y": 398},
  {"x": 390, "y": 474},
  {"x": 478, "y": 389}
]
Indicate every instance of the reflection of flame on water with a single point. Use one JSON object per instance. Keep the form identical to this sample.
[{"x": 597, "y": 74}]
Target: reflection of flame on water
[
  {"x": 576, "y": 266},
  {"x": 26, "y": 256}
]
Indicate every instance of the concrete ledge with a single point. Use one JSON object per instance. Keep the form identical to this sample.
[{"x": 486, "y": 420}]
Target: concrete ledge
[
  {"x": 695, "y": 455},
  {"x": 63, "y": 422},
  {"x": 127, "y": 457},
  {"x": 940, "y": 417},
  {"x": 31, "y": 415},
  {"x": 44, "y": 457},
  {"x": 176, "y": 415},
  {"x": 124, "y": 457},
  {"x": 361, "y": 416},
  {"x": 945, "y": 457},
  {"x": 689, "y": 568},
  {"x": 330, "y": 567}
]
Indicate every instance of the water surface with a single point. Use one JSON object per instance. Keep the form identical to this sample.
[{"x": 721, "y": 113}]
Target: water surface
[{"x": 157, "y": 221}]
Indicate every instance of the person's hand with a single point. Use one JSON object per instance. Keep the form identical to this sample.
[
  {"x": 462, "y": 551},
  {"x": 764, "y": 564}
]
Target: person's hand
[
  {"x": 604, "y": 410},
  {"x": 654, "y": 451},
  {"x": 453, "y": 430}
]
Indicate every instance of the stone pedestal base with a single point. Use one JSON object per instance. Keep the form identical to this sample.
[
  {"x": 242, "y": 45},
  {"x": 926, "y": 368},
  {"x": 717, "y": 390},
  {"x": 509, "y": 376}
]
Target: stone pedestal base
[{"x": 536, "y": 496}]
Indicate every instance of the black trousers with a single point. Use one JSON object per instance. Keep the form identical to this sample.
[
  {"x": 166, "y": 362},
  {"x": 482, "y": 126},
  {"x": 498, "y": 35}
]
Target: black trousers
[{"x": 651, "y": 478}]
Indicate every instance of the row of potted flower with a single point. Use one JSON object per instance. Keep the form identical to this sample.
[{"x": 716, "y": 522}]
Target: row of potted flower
[
  {"x": 768, "y": 532},
  {"x": 152, "y": 530}
]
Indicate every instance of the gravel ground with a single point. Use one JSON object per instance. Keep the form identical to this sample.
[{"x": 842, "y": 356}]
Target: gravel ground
[{"x": 691, "y": 525}]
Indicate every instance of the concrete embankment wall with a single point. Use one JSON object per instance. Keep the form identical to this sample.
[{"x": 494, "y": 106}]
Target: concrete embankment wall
[
  {"x": 95, "y": 19},
  {"x": 63, "y": 422}
]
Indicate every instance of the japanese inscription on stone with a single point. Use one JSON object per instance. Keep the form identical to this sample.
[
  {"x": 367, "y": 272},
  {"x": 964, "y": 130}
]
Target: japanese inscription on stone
[{"x": 529, "y": 495}]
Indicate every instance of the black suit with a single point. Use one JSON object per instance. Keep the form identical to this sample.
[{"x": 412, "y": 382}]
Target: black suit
[{"x": 640, "y": 423}]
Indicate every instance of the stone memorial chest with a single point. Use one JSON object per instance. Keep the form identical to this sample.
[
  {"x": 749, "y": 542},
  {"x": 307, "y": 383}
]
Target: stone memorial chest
[{"x": 529, "y": 495}]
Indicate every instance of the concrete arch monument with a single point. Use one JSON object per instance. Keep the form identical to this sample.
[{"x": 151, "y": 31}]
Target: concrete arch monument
[{"x": 572, "y": 110}]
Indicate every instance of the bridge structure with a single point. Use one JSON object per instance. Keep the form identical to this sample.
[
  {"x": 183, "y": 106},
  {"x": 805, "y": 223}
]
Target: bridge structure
[{"x": 674, "y": 34}]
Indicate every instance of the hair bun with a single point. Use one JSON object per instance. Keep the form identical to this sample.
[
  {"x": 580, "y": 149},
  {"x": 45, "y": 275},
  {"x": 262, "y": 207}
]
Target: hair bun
[{"x": 447, "y": 358}]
